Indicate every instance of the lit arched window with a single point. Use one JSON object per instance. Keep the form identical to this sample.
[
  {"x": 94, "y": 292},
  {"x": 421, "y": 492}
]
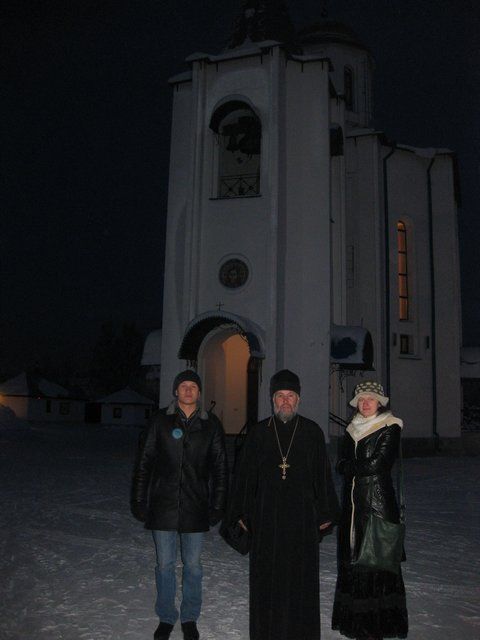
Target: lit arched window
[
  {"x": 348, "y": 88},
  {"x": 403, "y": 296},
  {"x": 238, "y": 135}
]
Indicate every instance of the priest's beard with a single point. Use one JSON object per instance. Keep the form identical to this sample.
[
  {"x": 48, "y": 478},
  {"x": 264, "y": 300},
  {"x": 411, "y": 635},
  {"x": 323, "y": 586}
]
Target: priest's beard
[{"x": 285, "y": 416}]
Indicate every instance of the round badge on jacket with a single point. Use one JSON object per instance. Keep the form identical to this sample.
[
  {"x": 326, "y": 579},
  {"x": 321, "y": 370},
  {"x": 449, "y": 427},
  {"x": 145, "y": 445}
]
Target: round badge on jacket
[{"x": 177, "y": 433}]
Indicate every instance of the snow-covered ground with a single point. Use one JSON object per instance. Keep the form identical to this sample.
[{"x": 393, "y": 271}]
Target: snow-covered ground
[{"x": 76, "y": 566}]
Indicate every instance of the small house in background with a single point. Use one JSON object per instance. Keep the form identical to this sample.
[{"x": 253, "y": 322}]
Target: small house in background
[
  {"x": 126, "y": 407},
  {"x": 470, "y": 375},
  {"x": 36, "y": 399}
]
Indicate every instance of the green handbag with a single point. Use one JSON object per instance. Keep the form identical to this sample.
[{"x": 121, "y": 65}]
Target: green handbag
[{"x": 382, "y": 545}]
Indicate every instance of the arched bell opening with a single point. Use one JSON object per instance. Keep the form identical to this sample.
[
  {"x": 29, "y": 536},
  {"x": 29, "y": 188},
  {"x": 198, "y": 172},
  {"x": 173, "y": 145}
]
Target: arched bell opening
[{"x": 237, "y": 131}]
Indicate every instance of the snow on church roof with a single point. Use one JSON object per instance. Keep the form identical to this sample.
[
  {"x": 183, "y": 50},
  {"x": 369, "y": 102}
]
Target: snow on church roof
[
  {"x": 32, "y": 385},
  {"x": 421, "y": 152},
  {"x": 185, "y": 76},
  {"x": 425, "y": 152},
  {"x": 328, "y": 31},
  {"x": 249, "y": 49}
]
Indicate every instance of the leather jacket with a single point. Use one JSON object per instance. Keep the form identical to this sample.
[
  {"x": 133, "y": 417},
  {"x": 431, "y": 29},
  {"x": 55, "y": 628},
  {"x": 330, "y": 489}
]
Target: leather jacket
[
  {"x": 368, "y": 485},
  {"x": 181, "y": 474}
]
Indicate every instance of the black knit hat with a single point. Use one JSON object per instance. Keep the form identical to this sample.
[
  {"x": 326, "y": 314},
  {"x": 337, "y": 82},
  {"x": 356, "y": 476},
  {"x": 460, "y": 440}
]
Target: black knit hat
[
  {"x": 186, "y": 376},
  {"x": 284, "y": 379}
]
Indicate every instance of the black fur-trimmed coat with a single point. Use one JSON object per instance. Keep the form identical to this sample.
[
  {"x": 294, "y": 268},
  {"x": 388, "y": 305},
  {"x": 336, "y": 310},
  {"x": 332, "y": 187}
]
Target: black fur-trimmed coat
[{"x": 368, "y": 471}]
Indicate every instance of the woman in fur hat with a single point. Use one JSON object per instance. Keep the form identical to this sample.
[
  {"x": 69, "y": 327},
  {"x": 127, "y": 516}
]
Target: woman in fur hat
[{"x": 369, "y": 604}]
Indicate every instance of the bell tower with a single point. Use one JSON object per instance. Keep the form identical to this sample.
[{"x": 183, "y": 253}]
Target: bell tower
[{"x": 247, "y": 273}]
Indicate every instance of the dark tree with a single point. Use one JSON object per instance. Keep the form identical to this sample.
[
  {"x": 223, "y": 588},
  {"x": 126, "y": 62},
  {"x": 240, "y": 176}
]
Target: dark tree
[{"x": 116, "y": 358}]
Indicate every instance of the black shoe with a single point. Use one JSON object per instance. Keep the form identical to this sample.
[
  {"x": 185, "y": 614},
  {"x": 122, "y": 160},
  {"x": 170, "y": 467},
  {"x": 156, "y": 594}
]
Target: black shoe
[
  {"x": 190, "y": 631},
  {"x": 163, "y": 631}
]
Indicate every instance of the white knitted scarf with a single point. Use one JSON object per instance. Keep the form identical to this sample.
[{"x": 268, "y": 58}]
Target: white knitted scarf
[{"x": 361, "y": 427}]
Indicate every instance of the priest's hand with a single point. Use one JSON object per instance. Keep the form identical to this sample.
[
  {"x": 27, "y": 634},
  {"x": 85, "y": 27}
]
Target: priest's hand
[
  {"x": 324, "y": 526},
  {"x": 242, "y": 524}
]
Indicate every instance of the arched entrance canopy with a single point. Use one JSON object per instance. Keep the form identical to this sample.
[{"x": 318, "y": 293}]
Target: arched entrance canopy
[
  {"x": 200, "y": 326},
  {"x": 351, "y": 347}
]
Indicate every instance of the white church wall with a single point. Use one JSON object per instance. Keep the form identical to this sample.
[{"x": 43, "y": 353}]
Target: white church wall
[
  {"x": 361, "y": 64},
  {"x": 242, "y": 227},
  {"x": 412, "y": 384},
  {"x": 339, "y": 275},
  {"x": 306, "y": 310},
  {"x": 337, "y": 112},
  {"x": 338, "y": 221},
  {"x": 364, "y": 240},
  {"x": 447, "y": 289},
  {"x": 411, "y": 379},
  {"x": 177, "y": 254},
  {"x": 221, "y": 228},
  {"x": 366, "y": 280},
  {"x": 338, "y": 248}
]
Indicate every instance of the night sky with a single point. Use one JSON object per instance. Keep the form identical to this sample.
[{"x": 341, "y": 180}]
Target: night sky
[{"x": 85, "y": 143}]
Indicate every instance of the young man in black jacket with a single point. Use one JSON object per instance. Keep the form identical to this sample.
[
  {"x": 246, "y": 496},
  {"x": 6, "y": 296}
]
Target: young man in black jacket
[{"x": 181, "y": 455}]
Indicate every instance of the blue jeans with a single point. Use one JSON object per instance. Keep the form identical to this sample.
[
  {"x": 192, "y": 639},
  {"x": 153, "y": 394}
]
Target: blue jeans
[{"x": 166, "y": 550}]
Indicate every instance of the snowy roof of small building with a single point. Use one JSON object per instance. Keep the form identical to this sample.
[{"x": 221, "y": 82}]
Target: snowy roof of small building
[
  {"x": 126, "y": 396},
  {"x": 33, "y": 385},
  {"x": 470, "y": 362}
]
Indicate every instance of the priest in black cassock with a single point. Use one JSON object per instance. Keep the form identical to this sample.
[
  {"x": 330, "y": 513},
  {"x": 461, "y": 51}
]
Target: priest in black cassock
[{"x": 284, "y": 496}]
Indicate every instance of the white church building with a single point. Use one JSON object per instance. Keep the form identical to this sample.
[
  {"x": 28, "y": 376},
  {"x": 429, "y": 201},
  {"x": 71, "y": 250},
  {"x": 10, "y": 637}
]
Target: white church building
[{"x": 300, "y": 237}]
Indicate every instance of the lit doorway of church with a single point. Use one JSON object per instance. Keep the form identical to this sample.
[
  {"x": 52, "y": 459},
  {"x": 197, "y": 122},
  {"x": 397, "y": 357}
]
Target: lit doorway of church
[{"x": 223, "y": 362}]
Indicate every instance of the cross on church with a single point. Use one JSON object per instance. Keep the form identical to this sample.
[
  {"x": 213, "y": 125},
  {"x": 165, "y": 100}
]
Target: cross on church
[{"x": 220, "y": 305}]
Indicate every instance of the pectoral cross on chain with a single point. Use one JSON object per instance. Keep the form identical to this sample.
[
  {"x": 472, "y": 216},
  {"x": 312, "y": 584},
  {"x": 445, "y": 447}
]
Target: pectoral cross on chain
[{"x": 284, "y": 466}]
